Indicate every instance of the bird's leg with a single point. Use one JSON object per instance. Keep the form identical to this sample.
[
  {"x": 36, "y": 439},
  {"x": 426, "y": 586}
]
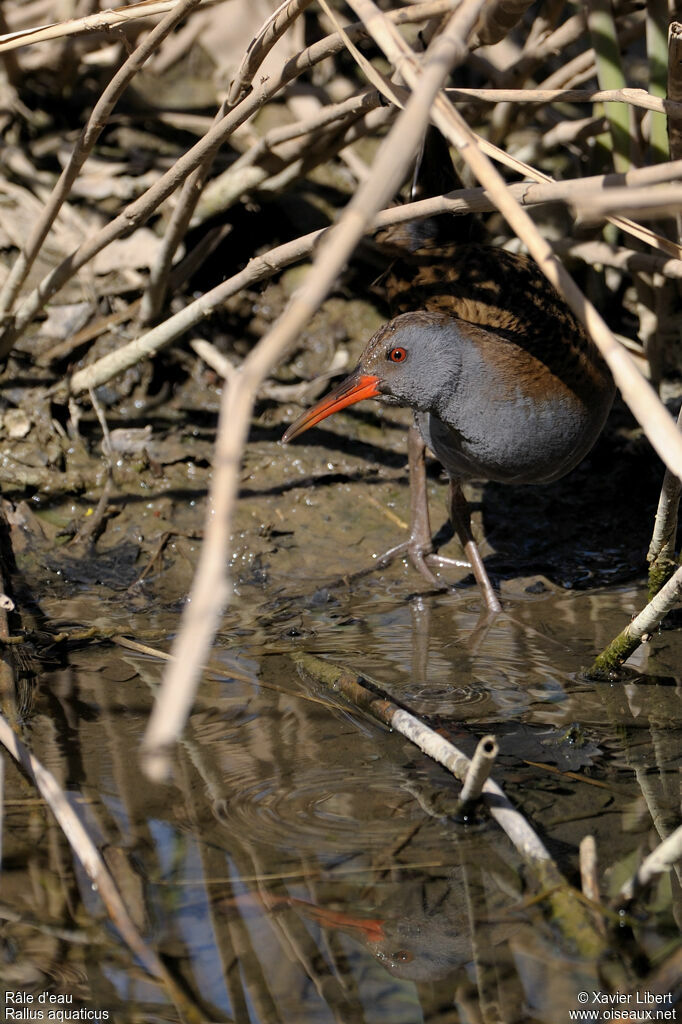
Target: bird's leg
[
  {"x": 460, "y": 515},
  {"x": 419, "y": 546}
]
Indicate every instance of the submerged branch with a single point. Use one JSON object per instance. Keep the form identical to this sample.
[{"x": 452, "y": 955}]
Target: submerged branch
[
  {"x": 569, "y": 913},
  {"x": 636, "y": 632}
]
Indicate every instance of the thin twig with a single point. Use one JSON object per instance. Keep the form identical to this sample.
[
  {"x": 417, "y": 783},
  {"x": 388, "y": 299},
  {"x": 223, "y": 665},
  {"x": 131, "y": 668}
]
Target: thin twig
[
  {"x": 618, "y": 256},
  {"x": 632, "y": 97},
  {"x": 478, "y": 771},
  {"x": 261, "y": 267},
  {"x": 86, "y": 141},
  {"x": 260, "y": 46},
  {"x": 102, "y": 21},
  {"x": 215, "y": 359},
  {"x": 637, "y": 631},
  {"x": 89, "y": 529}
]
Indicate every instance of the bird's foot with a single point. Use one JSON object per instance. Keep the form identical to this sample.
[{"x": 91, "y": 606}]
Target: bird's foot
[
  {"x": 421, "y": 556},
  {"x": 453, "y": 563}
]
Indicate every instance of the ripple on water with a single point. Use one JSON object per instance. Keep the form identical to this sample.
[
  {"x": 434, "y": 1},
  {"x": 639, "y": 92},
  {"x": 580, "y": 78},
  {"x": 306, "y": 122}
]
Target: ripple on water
[{"x": 335, "y": 810}]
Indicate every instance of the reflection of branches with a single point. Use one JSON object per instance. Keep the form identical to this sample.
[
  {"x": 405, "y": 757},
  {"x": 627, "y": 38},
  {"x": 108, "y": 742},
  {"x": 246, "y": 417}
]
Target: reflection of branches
[
  {"x": 243, "y": 971},
  {"x": 92, "y": 863},
  {"x": 569, "y": 912}
]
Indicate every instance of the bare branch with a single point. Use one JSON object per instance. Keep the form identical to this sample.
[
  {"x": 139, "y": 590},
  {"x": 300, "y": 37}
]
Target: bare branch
[
  {"x": 462, "y": 201},
  {"x": 101, "y": 21},
  {"x": 635, "y": 633},
  {"x": 88, "y": 137}
]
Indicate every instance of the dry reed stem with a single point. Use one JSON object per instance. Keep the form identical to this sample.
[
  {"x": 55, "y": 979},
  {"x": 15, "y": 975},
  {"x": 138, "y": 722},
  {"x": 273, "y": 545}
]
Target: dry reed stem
[
  {"x": 462, "y": 201},
  {"x": 143, "y": 207},
  {"x": 649, "y": 203},
  {"x": 86, "y": 141},
  {"x": 159, "y": 273},
  {"x": 618, "y": 257},
  {"x": 270, "y": 32},
  {"x": 479, "y": 769},
  {"x": 210, "y": 588},
  {"x": 101, "y": 21},
  {"x": 633, "y": 97},
  {"x": 589, "y": 875}
]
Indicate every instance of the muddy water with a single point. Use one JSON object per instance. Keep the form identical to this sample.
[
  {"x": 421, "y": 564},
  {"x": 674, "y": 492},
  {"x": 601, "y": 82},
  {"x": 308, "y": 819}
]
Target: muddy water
[{"x": 304, "y": 864}]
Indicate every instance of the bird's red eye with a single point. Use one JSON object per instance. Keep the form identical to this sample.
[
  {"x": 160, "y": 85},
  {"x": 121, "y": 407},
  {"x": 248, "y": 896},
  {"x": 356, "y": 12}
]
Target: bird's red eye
[{"x": 397, "y": 355}]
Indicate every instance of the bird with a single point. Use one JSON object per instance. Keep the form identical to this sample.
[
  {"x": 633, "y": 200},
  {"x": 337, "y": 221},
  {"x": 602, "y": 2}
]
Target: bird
[{"x": 504, "y": 382}]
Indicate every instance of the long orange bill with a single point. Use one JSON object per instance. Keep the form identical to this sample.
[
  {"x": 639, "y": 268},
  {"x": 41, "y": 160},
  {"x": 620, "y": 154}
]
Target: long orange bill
[{"x": 351, "y": 390}]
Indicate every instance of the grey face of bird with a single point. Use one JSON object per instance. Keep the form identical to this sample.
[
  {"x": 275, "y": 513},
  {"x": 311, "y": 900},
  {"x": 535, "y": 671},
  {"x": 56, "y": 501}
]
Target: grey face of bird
[
  {"x": 417, "y": 359},
  {"x": 414, "y": 360}
]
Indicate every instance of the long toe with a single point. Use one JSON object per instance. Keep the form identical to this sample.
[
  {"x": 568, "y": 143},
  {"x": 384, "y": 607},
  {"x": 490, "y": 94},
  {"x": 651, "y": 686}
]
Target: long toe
[{"x": 443, "y": 563}]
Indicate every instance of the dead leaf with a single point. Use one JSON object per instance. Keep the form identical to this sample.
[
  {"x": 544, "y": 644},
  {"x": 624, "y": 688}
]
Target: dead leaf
[{"x": 139, "y": 250}]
